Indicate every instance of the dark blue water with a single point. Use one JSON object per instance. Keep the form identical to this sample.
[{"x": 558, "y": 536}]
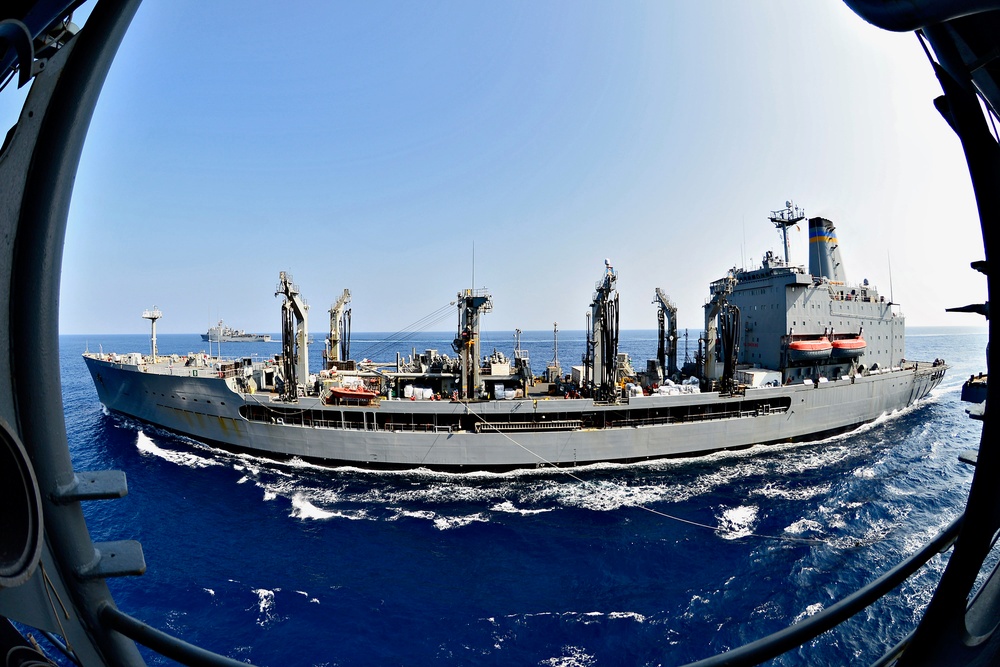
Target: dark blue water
[{"x": 284, "y": 564}]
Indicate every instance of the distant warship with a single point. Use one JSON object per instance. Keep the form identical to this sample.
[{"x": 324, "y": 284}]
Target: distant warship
[{"x": 224, "y": 334}]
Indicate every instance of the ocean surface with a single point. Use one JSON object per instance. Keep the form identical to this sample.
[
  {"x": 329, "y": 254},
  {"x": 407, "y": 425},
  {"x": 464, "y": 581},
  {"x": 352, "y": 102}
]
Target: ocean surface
[{"x": 295, "y": 564}]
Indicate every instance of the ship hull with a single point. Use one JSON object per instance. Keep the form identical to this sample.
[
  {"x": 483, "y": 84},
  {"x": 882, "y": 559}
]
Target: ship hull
[{"x": 500, "y": 435}]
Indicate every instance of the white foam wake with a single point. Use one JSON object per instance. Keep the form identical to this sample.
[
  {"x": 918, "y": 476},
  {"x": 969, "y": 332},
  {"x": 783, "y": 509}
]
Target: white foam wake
[
  {"x": 509, "y": 508},
  {"x": 572, "y": 656},
  {"x": 146, "y": 446},
  {"x": 737, "y": 522},
  {"x": 265, "y": 605},
  {"x": 303, "y": 509},
  {"x": 449, "y": 522}
]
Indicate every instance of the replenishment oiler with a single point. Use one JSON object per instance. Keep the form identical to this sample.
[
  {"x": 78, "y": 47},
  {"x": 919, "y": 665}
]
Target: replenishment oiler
[{"x": 786, "y": 355}]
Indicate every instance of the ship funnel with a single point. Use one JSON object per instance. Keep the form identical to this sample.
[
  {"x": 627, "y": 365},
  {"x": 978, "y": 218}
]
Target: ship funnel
[{"x": 824, "y": 251}]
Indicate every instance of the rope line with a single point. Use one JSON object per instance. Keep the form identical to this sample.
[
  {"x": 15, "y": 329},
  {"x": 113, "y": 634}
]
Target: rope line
[
  {"x": 50, "y": 588},
  {"x": 665, "y": 515},
  {"x": 407, "y": 332}
]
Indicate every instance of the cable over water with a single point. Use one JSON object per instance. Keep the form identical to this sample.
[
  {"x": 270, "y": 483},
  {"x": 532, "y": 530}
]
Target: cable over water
[
  {"x": 408, "y": 332},
  {"x": 672, "y": 517}
]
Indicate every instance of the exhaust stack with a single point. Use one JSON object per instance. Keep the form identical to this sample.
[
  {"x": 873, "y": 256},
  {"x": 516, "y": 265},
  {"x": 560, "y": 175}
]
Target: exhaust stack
[{"x": 824, "y": 251}]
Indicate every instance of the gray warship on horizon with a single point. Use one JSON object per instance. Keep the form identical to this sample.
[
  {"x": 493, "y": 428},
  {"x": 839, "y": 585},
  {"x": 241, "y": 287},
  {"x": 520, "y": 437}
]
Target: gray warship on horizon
[
  {"x": 786, "y": 355},
  {"x": 223, "y": 334}
]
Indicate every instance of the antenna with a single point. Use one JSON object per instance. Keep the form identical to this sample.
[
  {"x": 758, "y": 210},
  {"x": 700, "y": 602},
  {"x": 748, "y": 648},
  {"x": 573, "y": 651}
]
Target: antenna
[
  {"x": 743, "y": 251},
  {"x": 888, "y": 261},
  {"x": 555, "y": 342}
]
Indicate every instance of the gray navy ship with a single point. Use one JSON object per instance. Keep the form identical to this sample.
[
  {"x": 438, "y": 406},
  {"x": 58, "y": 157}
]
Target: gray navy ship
[
  {"x": 786, "y": 355},
  {"x": 223, "y": 334}
]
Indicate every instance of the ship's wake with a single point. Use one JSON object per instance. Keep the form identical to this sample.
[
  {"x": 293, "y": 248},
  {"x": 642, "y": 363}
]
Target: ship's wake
[{"x": 191, "y": 460}]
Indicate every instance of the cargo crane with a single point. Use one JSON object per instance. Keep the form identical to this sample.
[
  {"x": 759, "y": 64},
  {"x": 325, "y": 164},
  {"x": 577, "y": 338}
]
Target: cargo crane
[
  {"x": 471, "y": 305},
  {"x": 294, "y": 340},
  {"x": 666, "y": 345},
  {"x": 338, "y": 343},
  {"x": 603, "y": 337}
]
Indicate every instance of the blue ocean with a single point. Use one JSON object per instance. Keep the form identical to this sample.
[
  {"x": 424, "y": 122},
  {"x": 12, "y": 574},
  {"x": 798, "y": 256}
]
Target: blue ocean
[{"x": 653, "y": 564}]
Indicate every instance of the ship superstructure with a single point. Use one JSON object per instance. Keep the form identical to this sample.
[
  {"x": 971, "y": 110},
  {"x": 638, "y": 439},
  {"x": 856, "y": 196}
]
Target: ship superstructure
[{"x": 806, "y": 325}]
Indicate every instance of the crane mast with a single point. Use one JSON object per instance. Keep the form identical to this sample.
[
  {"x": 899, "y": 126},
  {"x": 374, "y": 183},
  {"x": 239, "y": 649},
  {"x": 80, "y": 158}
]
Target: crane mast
[
  {"x": 294, "y": 336},
  {"x": 471, "y": 304},
  {"x": 604, "y": 335},
  {"x": 666, "y": 348},
  {"x": 338, "y": 343}
]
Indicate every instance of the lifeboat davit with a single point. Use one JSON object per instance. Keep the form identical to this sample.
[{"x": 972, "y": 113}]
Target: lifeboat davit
[
  {"x": 849, "y": 348},
  {"x": 810, "y": 350}
]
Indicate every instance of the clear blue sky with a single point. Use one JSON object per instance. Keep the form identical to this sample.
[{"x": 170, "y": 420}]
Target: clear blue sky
[{"x": 372, "y": 145}]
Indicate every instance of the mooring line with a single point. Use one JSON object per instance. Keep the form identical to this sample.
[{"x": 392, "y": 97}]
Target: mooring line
[{"x": 690, "y": 522}]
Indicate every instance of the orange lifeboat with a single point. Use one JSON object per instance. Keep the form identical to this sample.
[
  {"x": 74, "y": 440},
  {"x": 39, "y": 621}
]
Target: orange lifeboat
[
  {"x": 849, "y": 348},
  {"x": 810, "y": 350},
  {"x": 358, "y": 394}
]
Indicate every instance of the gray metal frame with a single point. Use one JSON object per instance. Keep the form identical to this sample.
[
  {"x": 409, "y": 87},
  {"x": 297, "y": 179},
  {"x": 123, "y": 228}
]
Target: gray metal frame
[{"x": 52, "y": 575}]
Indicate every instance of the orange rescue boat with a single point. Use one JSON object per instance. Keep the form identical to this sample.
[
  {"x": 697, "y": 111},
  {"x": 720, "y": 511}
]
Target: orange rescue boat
[
  {"x": 849, "y": 348},
  {"x": 809, "y": 350}
]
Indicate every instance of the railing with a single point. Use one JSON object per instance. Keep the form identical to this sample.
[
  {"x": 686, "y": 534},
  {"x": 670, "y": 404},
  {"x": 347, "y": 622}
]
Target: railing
[
  {"x": 795, "y": 635},
  {"x": 555, "y": 425},
  {"x": 762, "y": 411},
  {"x": 416, "y": 428},
  {"x": 164, "y": 644},
  {"x": 303, "y": 420}
]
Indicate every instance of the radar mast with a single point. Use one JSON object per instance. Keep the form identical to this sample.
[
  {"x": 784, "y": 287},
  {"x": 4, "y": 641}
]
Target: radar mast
[{"x": 785, "y": 218}]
